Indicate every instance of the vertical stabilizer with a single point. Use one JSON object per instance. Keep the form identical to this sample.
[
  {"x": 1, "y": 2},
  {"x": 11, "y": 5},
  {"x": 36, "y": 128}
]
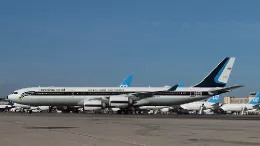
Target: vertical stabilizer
[
  {"x": 219, "y": 76},
  {"x": 127, "y": 81},
  {"x": 256, "y": 99},
  {"x": 214, "y": 99}
]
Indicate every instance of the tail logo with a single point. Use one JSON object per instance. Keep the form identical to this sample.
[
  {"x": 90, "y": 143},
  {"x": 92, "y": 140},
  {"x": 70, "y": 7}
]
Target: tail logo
[
  {"x": 123, "y": 86},
  {"x": 256, "y": 99},
  {"x": 215, "y": 97}
]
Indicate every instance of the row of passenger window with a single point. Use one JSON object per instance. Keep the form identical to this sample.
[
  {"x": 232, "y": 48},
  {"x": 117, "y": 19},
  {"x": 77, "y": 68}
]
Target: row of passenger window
[{"x": 112, "y": 93}]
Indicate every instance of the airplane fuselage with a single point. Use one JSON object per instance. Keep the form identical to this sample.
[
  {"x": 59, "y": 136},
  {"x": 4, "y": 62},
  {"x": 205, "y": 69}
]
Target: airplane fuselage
[
  {"x": 197, "y": 105},
  {"x": 73, "y": 96},
  {"x": 236, "y": 107}
]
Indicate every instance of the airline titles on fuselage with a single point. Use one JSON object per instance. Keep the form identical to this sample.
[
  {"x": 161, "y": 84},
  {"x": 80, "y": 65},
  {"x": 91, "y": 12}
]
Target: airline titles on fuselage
[
  {"x": 108, "y": 90},
  {"x": 93, "y": 90},
  {"x": 52, "y": 90}
]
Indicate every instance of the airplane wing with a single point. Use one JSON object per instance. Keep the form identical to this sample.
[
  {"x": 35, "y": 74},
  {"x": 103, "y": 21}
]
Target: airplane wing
[
  {"x": 136, "y": 96},
  {"x": 100, "y": 98},
  {"x": 224, "y": 90},
  {"x": 142, "y": 95}
]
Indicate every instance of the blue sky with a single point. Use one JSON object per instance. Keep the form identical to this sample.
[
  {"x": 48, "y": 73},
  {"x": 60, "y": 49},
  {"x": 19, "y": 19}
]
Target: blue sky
[{"x": 98, "y": 43}]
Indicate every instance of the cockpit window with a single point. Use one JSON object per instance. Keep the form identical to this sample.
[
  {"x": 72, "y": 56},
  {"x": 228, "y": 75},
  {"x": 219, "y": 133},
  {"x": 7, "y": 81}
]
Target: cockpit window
[
  {"x": 27, "y": 93},
  {"x": 15, "y": 93}
]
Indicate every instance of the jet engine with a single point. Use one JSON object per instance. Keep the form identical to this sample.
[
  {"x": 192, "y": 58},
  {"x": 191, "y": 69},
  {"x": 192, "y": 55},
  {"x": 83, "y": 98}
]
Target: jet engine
[
  {"x": 120, "y": 101},
  {"x": 95, "y": 105}
]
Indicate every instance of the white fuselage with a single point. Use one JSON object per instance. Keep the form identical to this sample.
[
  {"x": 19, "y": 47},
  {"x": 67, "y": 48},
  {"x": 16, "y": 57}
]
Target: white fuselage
[
  {"x": 236, "y": 107},
  {"x": 73, "y": 96},
  {"x": 195, "y": 106}
]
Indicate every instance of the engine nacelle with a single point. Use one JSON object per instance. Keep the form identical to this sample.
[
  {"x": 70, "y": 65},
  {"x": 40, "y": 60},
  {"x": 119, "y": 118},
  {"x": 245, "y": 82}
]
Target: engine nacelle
[
  {"x": 120, "y": 101},
  {"x": 94, "y": 105}
]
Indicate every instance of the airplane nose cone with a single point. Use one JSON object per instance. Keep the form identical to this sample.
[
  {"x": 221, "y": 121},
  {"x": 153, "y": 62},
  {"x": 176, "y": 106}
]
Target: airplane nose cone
[{"x": 10, "y": 97}]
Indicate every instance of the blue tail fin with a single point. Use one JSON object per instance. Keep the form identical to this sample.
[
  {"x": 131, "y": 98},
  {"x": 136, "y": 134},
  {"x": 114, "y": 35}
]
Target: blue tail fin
[
  {"x": 214, "y": 99},
  {"x": 127, "y": 81},
  {"x": 219, "y": 76},
  {"x": 256, "y": 99},
  {"x": 181, "y": 84}
]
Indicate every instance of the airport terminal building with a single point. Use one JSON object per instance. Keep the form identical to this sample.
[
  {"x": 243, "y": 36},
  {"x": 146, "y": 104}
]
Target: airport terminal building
[{"x": 231, "y": 99}]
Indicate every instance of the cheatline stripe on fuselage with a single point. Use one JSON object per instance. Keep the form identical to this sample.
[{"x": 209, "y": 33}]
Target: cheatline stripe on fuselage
[{"x": 163, "y": 93}]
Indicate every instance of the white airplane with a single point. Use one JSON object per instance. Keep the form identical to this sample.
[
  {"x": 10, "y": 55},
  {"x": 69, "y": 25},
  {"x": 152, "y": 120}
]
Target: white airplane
[
  {"x": 211, "y": 103},
  {"x": 253, "y": 104},
  {"x": 128, "y": 98},
  {"x": 5, "y": 107}
]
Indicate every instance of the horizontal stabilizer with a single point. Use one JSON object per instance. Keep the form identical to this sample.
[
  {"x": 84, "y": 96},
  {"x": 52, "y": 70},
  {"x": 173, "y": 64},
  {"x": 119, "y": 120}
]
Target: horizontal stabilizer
[{"x": 224, "y": 90}]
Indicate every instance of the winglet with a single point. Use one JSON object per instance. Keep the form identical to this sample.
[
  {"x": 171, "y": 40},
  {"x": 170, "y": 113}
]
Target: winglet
[{"x": 181, "y": 84}]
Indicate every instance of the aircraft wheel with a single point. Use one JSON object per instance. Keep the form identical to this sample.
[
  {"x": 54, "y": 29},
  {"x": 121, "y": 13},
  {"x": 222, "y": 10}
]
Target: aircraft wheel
[{"x": 119, "y": 112}]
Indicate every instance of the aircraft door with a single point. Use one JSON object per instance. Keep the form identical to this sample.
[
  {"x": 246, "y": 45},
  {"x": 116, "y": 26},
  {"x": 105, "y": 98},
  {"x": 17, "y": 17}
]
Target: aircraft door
[
  {"x": 195, "y": 93},
  {"x": 192, "y": 94}
]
